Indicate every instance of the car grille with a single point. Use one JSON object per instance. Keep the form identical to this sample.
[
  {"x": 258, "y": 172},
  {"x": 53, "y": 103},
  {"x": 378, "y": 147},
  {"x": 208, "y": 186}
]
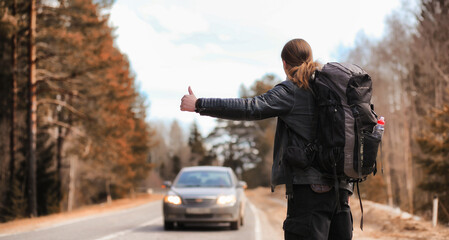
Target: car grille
[{"x": 200, "y": 201}]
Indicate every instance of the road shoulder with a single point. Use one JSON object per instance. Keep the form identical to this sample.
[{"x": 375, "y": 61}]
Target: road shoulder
[
  {"x": 271, "y": 211},
  {"x": 31, "y": 224}
]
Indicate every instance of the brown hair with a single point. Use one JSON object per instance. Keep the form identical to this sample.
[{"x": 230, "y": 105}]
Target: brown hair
[{"x": 297, "y": 53}]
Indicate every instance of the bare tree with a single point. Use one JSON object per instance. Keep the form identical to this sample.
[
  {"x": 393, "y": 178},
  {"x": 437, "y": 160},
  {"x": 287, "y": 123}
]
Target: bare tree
[
  {"x": 387, "y": 62},
  {"x": 159, "y": 153},
  {"x": 176, "y": 140}
]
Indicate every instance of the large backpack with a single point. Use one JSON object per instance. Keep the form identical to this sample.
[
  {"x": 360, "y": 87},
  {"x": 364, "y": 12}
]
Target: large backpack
[{"x": 346, "y": 147}]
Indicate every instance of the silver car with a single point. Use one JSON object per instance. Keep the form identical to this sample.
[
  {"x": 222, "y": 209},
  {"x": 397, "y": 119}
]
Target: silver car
[{"x": 204, "y": 194}]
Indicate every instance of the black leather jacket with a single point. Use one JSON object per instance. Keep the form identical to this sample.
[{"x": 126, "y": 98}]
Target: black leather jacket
[{"x": 294, "y": 108}]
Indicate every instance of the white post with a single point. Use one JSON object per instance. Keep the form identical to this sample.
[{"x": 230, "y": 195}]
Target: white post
[{"x": 435, "y": 211}]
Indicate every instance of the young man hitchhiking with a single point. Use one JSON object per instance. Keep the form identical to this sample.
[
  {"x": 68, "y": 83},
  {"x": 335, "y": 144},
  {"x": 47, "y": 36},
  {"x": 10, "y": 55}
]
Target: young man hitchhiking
[{"x": 313, "y": 210}]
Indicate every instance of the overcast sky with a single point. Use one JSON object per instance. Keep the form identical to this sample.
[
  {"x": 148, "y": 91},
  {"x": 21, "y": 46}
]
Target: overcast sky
[{"x": 215, "y": 46}]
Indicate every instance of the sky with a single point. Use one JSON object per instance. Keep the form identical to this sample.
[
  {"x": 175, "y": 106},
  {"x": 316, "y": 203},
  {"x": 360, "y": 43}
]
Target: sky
[{"x": 217, "y": 46}]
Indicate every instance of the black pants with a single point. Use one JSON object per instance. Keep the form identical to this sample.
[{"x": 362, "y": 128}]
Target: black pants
[{"x": 312, "y": 215}]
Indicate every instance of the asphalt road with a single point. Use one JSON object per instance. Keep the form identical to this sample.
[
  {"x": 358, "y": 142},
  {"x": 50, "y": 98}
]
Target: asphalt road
[{"x": 145, "y": 222}]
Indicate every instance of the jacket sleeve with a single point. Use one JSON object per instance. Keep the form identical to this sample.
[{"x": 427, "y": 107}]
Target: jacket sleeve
[{"x": 276, "y": 102}]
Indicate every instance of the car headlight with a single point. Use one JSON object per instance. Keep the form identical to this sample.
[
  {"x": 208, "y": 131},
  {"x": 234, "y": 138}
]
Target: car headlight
[
  {"x": 173, "y": 199},
  {"x": 226, "y": 200}
]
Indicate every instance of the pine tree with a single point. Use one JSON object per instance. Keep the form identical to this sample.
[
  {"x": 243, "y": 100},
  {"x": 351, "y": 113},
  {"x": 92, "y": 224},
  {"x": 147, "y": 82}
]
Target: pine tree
[
  {"x": 428, "y": 77},
  {"x": 86, "y": 102},
  {"x": 8, "y": 97},
  {"x": 435, "y": 146},
  {"x": 233, "y": 142}
]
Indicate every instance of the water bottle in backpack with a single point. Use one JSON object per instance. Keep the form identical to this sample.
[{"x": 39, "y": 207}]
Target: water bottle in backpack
[{"x": 379, "y": 128}]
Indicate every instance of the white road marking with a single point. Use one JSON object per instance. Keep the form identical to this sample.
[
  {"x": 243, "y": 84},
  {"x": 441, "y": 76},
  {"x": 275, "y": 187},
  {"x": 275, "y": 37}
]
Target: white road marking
[
  {"x": 257, "y": 228},
  {"x": 94, "y": 216},
  {"x": 121, "y": 233},
  {"x": 113, "y": 212}
]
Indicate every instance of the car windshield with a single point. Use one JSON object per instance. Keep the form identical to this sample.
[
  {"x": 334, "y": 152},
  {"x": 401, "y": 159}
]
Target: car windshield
[{"x": 204, "y": 179}]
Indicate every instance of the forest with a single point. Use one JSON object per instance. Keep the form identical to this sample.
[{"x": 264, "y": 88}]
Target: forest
[
  {"x": 72, "y": 120},
  {"x": 74, "y": 130}
]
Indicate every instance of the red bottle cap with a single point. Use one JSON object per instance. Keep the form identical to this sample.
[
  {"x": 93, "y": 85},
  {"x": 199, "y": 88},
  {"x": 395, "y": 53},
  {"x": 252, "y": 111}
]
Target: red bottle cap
[{"x": 381, "y": 121}]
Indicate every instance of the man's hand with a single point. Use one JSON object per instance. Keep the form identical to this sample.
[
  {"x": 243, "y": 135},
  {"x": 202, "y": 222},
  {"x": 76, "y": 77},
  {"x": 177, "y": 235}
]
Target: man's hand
[{"x": 188, "y": 102}]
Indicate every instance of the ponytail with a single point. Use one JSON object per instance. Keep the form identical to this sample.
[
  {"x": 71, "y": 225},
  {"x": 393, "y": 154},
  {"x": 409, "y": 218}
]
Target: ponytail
[{"x": 301, "y": 74}]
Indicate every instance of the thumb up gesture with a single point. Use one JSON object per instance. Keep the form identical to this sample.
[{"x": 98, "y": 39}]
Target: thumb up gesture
[{"x": 188, "y": 102}]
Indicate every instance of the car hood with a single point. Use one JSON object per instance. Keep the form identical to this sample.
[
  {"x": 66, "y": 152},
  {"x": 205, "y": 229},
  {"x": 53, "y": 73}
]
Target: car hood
[{"x": 202, "y": 192}]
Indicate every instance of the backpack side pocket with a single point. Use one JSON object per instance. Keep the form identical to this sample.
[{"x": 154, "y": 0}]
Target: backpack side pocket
[{"x": 369, "y": 155}]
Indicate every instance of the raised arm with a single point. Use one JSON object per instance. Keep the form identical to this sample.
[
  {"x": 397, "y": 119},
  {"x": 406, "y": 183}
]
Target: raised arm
[{"x": 276, "y": 102}]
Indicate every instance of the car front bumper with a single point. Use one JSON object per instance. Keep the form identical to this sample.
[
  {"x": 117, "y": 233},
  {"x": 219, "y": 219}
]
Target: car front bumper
[{"x": 212, "y": 214}]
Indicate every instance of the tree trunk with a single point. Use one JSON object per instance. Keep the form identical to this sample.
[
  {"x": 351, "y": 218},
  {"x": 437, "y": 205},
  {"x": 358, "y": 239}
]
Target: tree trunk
[
  {"x": 12, "y": 147},
  {"x": 386, "y": 163},
  {"x": 59, "y": 167},
  {"x": 32, "y": 106},
  {"x": 108, "y": 191},
  {"x": 408, "y": 169},
  {"x": 62, "y": 134},
  {"x": 72, "y": 179},
  {"x": 132, "y": 193},
  {"x": 438, "y": 93},
  {"x": 407, "y": 156}
]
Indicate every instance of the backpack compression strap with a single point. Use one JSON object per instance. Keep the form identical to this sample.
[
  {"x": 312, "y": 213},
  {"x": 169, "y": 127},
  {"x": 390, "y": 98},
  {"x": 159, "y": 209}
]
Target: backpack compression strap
[{"x": 361, "y": 206}]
